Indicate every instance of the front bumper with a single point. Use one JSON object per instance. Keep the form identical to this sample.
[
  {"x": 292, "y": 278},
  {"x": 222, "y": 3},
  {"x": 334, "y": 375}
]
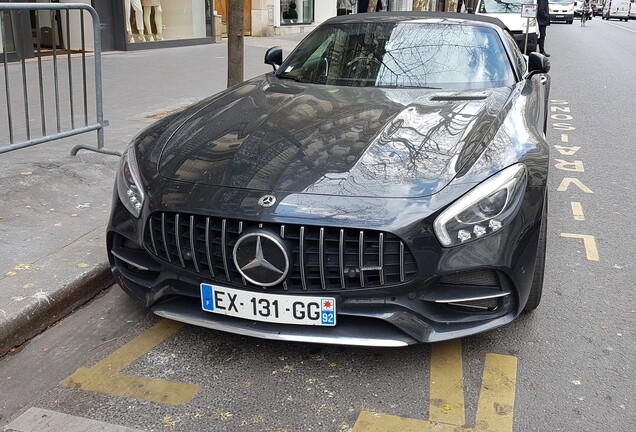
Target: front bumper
[
  {"x": 442, "y": 301},
  {"x": 562, "y": 16}
]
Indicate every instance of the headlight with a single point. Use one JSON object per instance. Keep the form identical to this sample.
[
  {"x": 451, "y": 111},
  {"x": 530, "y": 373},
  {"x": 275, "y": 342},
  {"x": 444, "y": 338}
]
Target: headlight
[
  {"x": 129, "y": 186},
  {"x": 484, "y": 210}
]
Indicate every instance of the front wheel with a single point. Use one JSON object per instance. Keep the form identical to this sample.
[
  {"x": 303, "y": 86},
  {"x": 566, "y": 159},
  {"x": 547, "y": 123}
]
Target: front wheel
[{"x": 539, "y": 268}]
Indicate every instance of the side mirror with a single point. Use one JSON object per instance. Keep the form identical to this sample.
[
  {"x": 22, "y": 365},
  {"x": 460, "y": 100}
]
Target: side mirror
[
  {"x": 537, "y": 63},
  {"x": 274, "y": 57}
]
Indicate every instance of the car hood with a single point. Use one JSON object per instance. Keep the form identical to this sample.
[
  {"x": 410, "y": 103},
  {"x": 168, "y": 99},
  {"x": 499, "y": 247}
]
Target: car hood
[{"x": 280, "y": 136}]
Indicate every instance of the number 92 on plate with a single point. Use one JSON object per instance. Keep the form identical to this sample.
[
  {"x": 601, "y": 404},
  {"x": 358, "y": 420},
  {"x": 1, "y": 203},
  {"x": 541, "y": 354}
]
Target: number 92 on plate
[{"x": 274, "y": 308}]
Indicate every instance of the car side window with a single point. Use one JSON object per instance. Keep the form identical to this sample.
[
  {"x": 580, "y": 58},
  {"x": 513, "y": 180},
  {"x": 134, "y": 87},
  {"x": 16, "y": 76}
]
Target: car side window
[{"x": 518, "y": 59}]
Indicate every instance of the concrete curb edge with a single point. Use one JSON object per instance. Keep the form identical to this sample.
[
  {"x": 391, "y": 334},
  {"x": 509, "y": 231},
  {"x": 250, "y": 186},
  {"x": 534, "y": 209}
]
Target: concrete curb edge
[{"x": 38, "y": 316}]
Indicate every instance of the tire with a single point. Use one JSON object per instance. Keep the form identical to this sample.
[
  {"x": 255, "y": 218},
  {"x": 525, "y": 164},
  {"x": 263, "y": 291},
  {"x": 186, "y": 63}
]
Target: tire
[
  {"x": 570, "y": 22},
  {"x": 534, "y": 298}
]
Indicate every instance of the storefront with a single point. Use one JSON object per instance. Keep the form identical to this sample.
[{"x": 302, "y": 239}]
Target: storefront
[
  {"x": 124, "y": 25},
  {"x": 298, "y": 16},
  {"x": 143, "y": 24}
]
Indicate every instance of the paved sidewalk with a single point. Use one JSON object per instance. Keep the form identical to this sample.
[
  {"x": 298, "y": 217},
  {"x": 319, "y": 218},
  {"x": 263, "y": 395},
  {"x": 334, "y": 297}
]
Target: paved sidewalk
[{"x": 54, "y": 207}]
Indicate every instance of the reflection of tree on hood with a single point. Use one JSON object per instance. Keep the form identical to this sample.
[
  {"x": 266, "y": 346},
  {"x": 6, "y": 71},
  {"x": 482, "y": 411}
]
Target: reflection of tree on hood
[{"x": 291, "y": 12}]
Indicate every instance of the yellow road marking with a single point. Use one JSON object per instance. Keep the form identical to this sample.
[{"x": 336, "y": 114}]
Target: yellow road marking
[
  {"x": 375, "y": 422},
  {"x": 576, "y": 166},
  {"x": 560, "y": 109},
  {"x": 565, "y": 184},
  {"x": 589, "y": 242},
  {"x": 105, "y": 378},
  {"x": 577, "y": 211},
  {"x": 565, "y": 138},
  {"x": 447, "y": 384},
  {"x": 497, "y": 396},
  {"x": 567, "y": 151},
  {"x": 496, "y": 400}
]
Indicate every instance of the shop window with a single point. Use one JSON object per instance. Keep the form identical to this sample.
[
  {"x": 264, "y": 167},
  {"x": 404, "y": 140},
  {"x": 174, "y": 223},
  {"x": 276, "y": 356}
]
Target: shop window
[
  {"x": 157, "y": 20},
  {"x": 6, "y": 33},
  {"x": 296, "y": 12}
]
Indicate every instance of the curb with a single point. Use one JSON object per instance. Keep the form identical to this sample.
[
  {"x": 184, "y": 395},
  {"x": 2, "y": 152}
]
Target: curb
[{"x": 47, "y": 291}]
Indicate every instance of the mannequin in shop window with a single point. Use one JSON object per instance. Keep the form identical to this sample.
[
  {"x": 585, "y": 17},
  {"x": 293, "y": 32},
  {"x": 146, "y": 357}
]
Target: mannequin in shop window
[
  {"x": 149, "y": 5},
  {"x": 139, "y": 20},
  {"x": 345, "y": 7},
  {"x": 291, "y": 13}
]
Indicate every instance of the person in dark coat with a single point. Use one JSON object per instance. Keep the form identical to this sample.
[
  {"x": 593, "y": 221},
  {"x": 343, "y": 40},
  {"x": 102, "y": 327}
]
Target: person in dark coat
[{"x": 543, "y": 20}]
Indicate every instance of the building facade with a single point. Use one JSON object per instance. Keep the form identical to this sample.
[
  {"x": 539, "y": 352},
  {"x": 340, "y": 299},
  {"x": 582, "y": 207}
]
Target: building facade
[{"x": 144, "y": 24}]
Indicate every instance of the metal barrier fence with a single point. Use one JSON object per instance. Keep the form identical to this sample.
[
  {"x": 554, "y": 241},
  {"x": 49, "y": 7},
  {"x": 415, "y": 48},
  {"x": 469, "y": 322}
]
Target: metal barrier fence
[{"x": 56, "y": 85}]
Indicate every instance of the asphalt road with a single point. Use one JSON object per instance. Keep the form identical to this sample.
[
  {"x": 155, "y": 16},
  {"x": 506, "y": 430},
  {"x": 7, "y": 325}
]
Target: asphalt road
[{"x": 569, "y": 366}]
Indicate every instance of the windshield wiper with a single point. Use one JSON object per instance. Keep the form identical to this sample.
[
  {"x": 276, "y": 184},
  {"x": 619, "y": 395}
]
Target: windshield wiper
[{"x": 291, "y": 77}]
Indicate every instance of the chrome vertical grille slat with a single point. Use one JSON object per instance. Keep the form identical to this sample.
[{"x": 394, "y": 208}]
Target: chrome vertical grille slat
[
  {"x": 381, "y": 258},
  {"x": 341, "y": 251},
  {"x": 208, "y": 243},
  {"x": 224, "y": 249},
  {"x": 153, "y": 242},
  {"x": 361, "y": 258},
  {"x": 177, "y": 236},
  {"x": 193, "y": 246},
  {"x": 302, "y": 258},
  {"x": 164, "y": 233},
  {"x": 282, "y": 235},
  {"x": 322, "y": 258},
  {"x": 240, "y": 231},
  {"x": 402, "y": 270}
]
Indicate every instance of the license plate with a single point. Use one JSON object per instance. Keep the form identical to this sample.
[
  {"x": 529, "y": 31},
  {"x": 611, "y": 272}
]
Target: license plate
[
  {"x": 274, "y": 308},
  {"x": 560, "y": 16}
]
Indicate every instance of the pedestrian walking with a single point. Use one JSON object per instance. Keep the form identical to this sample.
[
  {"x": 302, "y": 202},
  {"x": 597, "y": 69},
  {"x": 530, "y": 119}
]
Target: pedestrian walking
[{"x": 543, "y": 19}]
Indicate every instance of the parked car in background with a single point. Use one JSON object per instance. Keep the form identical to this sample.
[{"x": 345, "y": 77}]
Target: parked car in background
[
  {"x": 384, "y": 185},
  {"x": 578, "y": 9},
  {"x": 509, "y": 12},
  {"x": 561, "y": 10},
  {"x": 632, "y": 10},
  {"x": 616, "y": 9},
  {"x": 597, "y": 9}
]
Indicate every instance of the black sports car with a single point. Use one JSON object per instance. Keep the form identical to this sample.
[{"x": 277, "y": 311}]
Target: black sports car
[{"x": 384, "y": 185}]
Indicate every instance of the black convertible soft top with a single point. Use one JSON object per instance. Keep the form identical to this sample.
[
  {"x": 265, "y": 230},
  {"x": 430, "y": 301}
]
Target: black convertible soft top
[{"x": 415, "y": 15}]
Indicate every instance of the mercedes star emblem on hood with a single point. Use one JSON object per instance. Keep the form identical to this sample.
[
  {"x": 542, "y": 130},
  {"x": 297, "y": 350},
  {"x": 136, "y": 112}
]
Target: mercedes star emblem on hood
[{"x": 267, "y": 201}]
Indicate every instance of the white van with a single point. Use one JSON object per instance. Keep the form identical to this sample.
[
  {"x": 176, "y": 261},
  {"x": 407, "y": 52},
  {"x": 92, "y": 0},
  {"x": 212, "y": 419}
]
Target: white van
[
  {"x": 616, "y": 9},
  {"x": 632, "y": 10},
  {"x": 509, "y": 12}
]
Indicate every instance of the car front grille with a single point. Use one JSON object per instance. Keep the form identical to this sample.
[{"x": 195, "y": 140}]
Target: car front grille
[{"x": 323, "y": 258}]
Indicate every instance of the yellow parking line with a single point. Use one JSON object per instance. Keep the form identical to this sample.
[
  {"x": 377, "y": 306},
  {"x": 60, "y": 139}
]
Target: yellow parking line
[
  {"x": 127, "y": 354},
  {"x": 374, "y": 422},
  {"x": 497, "y": 396},
  {"x": 577, "y": 211},
  {"x": 105, "y": 378},
  {"x": 447, "y": 383},
  {"x": 589, "y": 242},
  {"x": 447, "y": 410}
]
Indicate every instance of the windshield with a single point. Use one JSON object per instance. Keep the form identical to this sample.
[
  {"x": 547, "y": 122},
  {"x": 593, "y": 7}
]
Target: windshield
[
  {"x": 500, "y": 6},
  {"x": 402, "y": 55}
]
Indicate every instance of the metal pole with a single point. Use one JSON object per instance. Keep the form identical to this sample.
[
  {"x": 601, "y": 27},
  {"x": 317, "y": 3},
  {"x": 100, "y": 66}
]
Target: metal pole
[{"x": 525, "y": 48}]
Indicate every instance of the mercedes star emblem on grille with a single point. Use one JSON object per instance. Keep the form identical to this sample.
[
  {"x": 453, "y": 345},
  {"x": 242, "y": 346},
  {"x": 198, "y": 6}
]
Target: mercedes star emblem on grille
[
  {"x": 261, "y": 258},
  {"x": 267, "y": 201}
]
